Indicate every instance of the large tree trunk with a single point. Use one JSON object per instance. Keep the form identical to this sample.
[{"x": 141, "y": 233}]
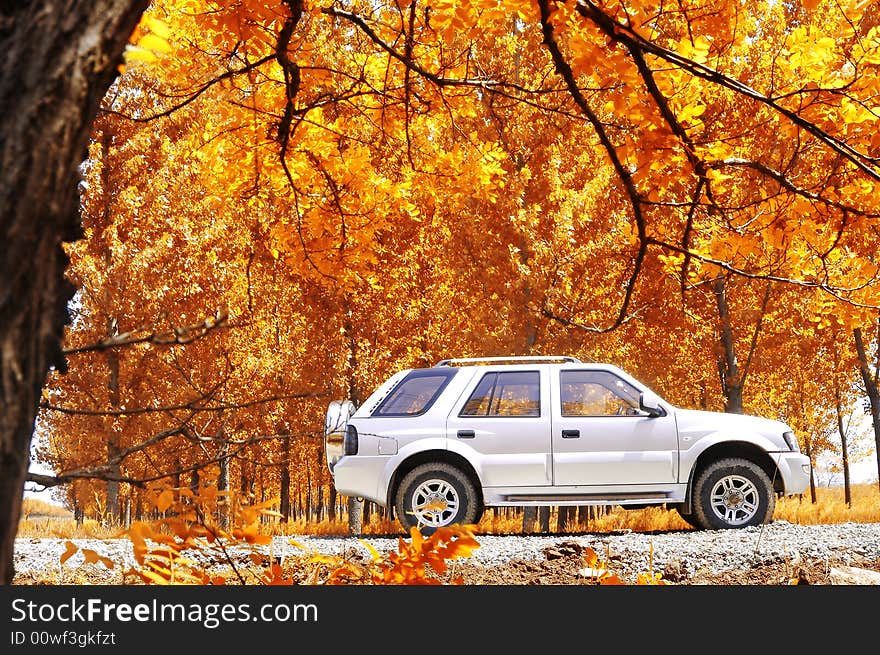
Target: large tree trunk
[{"x": 60, "y": 57}]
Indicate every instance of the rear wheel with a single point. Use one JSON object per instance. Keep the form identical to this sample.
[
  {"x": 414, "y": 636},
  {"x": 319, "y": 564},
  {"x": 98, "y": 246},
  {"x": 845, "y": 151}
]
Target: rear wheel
[
  {"x": 432, "y": 496},
  {"x": 732, "y": 493}
]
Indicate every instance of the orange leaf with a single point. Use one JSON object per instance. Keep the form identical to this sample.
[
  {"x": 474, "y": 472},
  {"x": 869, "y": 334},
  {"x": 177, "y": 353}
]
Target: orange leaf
[
  {"x": 70, "y": 550},
  {"x": 92, "y": 557},
  {"x": 164, "y": 500}
]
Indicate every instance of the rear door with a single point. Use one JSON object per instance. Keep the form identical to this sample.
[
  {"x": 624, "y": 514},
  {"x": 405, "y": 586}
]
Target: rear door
[{"x": 504, "y": 417}]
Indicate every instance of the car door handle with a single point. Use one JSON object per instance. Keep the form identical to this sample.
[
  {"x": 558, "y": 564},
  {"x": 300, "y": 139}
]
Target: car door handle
[
  {"x": 466, "y": 434},
  {"x": 571, "y": 434}
]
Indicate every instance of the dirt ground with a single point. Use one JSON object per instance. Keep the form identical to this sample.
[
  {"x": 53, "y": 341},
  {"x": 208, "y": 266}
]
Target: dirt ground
[{"x": 562, "y": 564}]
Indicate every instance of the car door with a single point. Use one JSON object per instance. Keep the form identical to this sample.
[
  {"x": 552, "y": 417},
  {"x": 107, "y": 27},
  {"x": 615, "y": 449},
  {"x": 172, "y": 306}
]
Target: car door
[
  {"x": 600, "y": 437},
  {"x": 504, "y": 419}
]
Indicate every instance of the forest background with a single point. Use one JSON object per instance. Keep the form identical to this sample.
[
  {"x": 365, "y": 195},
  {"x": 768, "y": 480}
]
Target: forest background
[{"x": 282, "y": 203}]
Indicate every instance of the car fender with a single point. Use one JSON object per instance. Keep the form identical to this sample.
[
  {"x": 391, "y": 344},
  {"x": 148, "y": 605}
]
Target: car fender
[
  {"x": 699, "y": 431},
  {"x": 417, "y": 447}
]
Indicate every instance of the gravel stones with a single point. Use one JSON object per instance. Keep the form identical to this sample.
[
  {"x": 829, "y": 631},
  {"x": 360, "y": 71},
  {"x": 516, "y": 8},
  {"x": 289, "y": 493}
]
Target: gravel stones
[{"x": 676, "y": 554}]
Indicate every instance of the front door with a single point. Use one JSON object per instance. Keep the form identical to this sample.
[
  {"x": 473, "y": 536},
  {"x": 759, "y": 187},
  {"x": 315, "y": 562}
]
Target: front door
[{"x": 600, "y": 437}]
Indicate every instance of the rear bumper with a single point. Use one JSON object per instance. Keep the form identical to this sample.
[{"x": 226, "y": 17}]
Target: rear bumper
[{"x": 362, "y": 477}]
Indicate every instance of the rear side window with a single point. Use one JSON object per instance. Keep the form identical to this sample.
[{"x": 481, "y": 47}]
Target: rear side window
[
  {"x": 515, "y": 393},
  {"x": 415, "y": 394}
]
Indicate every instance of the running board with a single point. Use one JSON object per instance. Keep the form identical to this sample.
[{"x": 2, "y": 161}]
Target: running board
[{"x": 585, "y": 497}]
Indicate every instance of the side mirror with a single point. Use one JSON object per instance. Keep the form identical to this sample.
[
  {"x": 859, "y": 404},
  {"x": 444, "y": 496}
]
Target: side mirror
[{"x": 650, "y": 403}]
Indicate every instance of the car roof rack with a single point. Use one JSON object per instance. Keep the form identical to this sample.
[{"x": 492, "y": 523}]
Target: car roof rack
[{"x": 547, "y": 359}]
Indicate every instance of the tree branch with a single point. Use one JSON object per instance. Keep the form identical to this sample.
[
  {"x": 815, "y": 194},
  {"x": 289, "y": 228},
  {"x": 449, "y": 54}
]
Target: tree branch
[{"x": 175, "y": 336}]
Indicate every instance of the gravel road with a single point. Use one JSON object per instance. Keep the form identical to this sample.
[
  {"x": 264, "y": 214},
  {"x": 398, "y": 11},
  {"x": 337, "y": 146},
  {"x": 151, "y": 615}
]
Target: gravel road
[{"x": 681, "y": 554}]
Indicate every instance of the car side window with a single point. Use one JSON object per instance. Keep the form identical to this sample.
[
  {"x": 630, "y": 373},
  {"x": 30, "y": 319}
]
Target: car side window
[
  {"x": 415, "y": 394},
  {"x": 597, "y": 393},
  {"x": 513, "y": 393}
]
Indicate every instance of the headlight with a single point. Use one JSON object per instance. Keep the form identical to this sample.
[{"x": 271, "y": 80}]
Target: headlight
[{"x": 791, "y": 441}]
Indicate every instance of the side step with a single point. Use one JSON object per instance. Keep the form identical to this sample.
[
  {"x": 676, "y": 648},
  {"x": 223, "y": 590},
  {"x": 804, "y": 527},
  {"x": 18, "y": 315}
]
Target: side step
[{"x": 532, "y": 498}]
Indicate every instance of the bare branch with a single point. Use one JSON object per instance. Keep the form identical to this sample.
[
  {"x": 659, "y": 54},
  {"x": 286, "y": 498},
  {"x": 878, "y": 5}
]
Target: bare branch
[
  {"x": 104, "y": 471},
  {"x": 193, "y": 405},
  {"x": 175, "y": 336}
]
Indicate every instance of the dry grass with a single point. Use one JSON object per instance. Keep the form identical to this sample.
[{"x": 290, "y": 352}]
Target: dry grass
[
  {"x": 34, "y": 507},
  {"x": 829, "y": 508},
  {"x": 42, "y": 519},
  {"x": 64, "y": 528}
]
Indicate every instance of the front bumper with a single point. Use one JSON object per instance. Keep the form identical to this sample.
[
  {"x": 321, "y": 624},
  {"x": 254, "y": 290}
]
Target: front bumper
[{"x": 794, "y": 468}]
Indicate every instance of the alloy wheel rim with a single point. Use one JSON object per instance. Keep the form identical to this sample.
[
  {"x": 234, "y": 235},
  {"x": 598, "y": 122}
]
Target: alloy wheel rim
[
  {"x": 435, "y": 503},
  {"x": 734, "y": 499}
]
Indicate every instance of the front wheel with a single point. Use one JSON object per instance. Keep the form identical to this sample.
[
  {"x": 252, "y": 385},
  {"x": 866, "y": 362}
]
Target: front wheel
[
  {"x": 432, "y": 496},
  {"x": 732, "y": 493}
]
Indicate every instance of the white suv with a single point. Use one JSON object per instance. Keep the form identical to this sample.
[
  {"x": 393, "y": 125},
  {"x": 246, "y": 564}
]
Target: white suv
[{"x": 439, "y": 445}]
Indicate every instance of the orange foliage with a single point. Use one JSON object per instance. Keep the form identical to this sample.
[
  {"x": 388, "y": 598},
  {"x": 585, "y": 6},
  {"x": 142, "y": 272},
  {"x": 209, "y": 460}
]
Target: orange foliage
[{"x": 418, "y": 562}]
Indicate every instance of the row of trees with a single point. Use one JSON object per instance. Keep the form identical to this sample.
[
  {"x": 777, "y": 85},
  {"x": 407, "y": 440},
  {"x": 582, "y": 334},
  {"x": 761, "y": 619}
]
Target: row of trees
[{"x": 284, "y": 202}]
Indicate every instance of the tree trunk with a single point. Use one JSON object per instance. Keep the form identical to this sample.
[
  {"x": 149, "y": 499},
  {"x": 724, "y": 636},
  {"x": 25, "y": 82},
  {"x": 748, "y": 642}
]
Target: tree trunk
[
  {"x": 842, "y": 433},
  {"x": 355, "y": 515},
  {"x": 733, "y": 374},
  {"x": 562, "y": 515},
  {"x": 808, "y": 451},
  {"x": 224, "y": 505},
  {"x": 331, "y": 503},
  {"x": 530, "y": 515},
  {"x": 284, "y": 508},
  {"x": 111, "y": 328},
  {"x": 872, "y": 386},
  {"x": 544, "y": 518},
  {"x": 728, "y": 367},
  {"x": 60, "y": 57}
]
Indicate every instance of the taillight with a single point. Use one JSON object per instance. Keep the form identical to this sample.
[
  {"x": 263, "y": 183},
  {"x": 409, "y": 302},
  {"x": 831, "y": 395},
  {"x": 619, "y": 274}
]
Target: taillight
[{"x": 351, "y": 440}]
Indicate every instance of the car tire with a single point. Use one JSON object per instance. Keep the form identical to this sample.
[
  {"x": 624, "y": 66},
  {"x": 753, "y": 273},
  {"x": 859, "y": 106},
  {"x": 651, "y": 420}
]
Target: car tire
[
  {"x": 451, "y": 491},
  {"x": 732, "y": 493}
]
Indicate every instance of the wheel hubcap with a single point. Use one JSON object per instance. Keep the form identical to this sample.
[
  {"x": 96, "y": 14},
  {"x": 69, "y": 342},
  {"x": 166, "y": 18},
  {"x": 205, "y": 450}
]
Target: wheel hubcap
[
  {"x": 735, "y": 500},
  {"x": 435, "y": 503}
]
